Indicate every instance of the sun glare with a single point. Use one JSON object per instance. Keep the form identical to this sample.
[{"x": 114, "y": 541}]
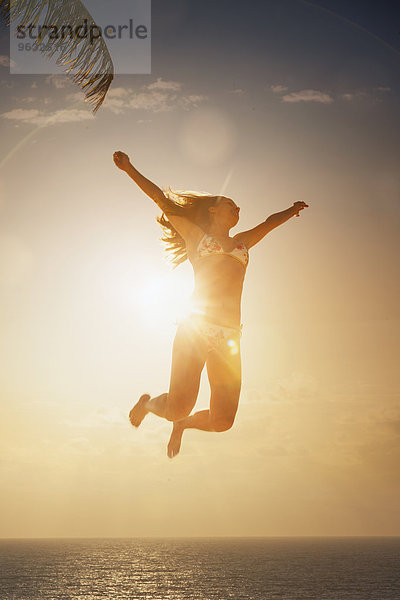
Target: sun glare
[
  {"x": 153, "y": 293},
  {"x": 164, "y": 296}
]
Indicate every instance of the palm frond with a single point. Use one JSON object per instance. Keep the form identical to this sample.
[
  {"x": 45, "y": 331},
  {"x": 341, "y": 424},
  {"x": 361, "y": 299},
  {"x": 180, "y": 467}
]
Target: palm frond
[{"x": 87, "y": 60}]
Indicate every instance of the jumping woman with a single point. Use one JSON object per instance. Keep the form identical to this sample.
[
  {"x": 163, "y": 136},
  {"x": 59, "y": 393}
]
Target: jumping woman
[{"x": 196, "y": 227}]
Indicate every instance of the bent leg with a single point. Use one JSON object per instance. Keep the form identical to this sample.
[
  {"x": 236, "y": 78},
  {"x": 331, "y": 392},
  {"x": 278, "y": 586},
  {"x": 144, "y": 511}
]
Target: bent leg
[
  {"x": 145, "y": 405},
  {"x": 224, "y": 369},
  {"x": 224, "y": 374},
  {"x": 189, "y": 354}
]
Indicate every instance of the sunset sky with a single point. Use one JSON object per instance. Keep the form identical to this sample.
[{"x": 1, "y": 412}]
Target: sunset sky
[{"x": 267, "y": 102}]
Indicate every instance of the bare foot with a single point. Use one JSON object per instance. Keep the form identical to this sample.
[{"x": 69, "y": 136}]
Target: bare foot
[
  {"x": 174, "y": 444},
  {"x": 139, "y": 411}
]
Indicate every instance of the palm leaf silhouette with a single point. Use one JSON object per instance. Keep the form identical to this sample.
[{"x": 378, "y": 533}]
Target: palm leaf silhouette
[{"x": 88, "y": 61}]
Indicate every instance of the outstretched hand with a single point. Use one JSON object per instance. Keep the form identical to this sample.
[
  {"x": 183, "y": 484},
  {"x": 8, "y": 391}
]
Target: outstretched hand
[
  {"x": 298, "y": 206},
  {"x": 121, "y": 160}
]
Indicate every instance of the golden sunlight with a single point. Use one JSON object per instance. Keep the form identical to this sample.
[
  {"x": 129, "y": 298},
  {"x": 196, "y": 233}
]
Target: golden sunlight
[
  {"x": 154, "y": 292},
  {"x": 162, "y": 295}
]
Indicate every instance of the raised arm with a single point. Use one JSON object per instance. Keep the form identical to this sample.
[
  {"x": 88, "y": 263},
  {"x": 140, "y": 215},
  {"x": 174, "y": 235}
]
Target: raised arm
[
  {"x": 183, "y": 226},
  {"x": 253, "y": 236},
  {"x": 122, "y": 161}
]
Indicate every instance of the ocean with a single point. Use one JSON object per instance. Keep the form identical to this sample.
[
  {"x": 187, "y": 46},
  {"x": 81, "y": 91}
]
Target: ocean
[{"x": 201, "y": 569}]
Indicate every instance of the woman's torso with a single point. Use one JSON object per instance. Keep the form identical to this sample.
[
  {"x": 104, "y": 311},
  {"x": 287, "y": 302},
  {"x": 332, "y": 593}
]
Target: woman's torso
[{"x": 219, "y": 268}]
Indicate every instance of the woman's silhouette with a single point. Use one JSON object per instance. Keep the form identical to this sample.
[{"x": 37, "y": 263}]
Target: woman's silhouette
[{"x": 196, "y": 227}]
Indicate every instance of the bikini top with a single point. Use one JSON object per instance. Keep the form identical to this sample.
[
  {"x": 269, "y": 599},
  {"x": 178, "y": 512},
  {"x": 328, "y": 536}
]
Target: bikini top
[{"x": 208, "y": 246}]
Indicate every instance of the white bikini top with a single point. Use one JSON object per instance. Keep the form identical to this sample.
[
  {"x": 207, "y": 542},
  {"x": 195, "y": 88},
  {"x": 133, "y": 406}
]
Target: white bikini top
[{"x": 209, "y": 245}]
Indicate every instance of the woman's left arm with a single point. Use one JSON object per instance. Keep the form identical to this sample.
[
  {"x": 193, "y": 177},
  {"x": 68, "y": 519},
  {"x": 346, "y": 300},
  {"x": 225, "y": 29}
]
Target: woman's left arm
[{"x": 253, "y": 236}]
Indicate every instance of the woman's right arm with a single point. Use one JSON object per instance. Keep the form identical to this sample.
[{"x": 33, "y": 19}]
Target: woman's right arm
[
  {"x": 183, "y": 226},
  {"x": 122, "y": 161}
]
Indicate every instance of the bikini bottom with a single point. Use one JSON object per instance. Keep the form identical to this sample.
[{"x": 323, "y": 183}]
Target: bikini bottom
[{"x": 217, "y": 337}]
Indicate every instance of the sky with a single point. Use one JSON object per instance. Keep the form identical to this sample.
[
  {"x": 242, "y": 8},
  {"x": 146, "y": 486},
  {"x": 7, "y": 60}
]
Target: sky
[{"x": 266, "y": 102}]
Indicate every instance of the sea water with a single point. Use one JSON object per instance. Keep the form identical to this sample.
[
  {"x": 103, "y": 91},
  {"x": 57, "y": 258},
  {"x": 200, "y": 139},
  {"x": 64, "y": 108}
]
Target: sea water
[{"x": 217, "y": 568}]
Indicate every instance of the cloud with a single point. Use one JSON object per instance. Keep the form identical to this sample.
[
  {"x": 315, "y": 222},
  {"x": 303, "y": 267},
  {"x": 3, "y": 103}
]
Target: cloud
[
  {"x": 299, "y": 417},
  {"x": 159, "y": 96},
  {"x": 5, "y": 61},
  {"x": 59, "y": 81},
  {"x": 117, "y": 93},
  {"x": 117, "y": 99},
  {"x": 69, "y": 116},
  {"x": 165, "y": 85},
  {"x": 192, "y": 101},
  {"x": 302, "y": 95},
  {"x": 279, "y": 89},
  {"x": 28, "y": 99},
  {"x": 237, "y": 91},
  {"x": 357, "y": 95},
  {"x": 308, "y": 96},
  {"x": 21, "y": 114},
  {"x": 154, "y": 101},
  {"x": 116, "y": 105},
  {"x": 32, "y": 99},
  {"x": 76, "y": 97},
  {"x": 373, "y": 95},
  {"x": 101, "y": 416},
  {"x": 37, "y": 117}
]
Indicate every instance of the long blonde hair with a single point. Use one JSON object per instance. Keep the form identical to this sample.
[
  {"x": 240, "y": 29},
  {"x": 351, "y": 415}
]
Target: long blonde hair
[{"x": 191, "y": 205}]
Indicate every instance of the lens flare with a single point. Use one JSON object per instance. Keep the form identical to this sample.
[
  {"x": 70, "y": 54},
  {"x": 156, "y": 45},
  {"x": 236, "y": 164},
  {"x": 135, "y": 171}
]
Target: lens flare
[{"x": 233, "y": 346}]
